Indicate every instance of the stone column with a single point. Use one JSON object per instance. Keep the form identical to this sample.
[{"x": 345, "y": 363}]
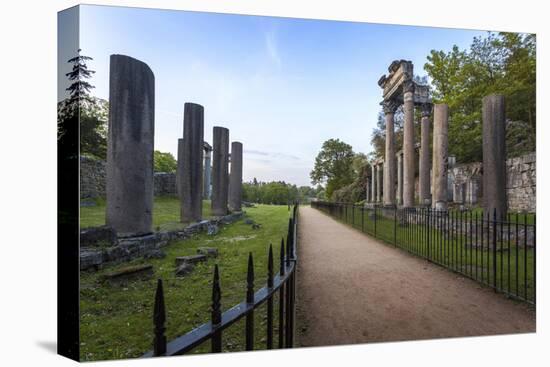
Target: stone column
[
  {"x": 389, "y": 165},
  {"x": 399, "y": 178},
  {"x": 220, "y": 170},
  {"x": 373, "y": 182},
  {"x": 424, "y": 164},
  {"x": 130, "y": 146},
  {"x": 379, "y": 181},
  {"x": 207, "y": 174},
  {"x": 236, "y": 177},
  {"x": 179, "y": 168},
  {"x": 440, "y": 146},
  {"x": 408, "y": 144},
  {"x": 494, "y": 155},
  {"x": 191, "y": 178}
]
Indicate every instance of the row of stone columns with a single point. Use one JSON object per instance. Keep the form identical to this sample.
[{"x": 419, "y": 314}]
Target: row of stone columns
[
  {"x": 130, "y": 147},
  {"x": 494, "y": 160}
]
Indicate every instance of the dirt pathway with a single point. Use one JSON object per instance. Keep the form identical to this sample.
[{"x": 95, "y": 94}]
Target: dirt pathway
[{"x": 355, "y": 289}]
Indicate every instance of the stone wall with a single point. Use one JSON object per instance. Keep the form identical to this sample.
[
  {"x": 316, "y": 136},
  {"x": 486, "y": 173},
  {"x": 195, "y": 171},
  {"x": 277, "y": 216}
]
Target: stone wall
[
  {"x": 100, "y": 245},
  {"x": 92, "y": 180},
  {"x": 164, "y": 184},
  {"x": 521, "y": 183},
  {"x": 466, "y": 182}
]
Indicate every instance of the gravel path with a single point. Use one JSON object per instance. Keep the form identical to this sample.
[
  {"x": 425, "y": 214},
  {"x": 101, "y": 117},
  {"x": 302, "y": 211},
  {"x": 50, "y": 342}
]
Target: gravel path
[{"x": 355, "y": 289}]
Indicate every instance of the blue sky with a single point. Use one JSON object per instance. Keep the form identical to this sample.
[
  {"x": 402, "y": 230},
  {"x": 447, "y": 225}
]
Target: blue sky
[{"x": 281, "y": 85}]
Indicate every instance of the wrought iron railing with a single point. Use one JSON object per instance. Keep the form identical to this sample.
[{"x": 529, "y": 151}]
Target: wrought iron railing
[
  {"x": 498, "y": 252},
  {"x": 283, "y": 284}
]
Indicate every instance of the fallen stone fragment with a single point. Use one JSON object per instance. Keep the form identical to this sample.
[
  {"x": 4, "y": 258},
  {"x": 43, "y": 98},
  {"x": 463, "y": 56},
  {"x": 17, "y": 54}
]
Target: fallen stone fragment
[
  {"x": 122, "y": 276},
  {"x": 208, "y": 251},
  {"x": 191, "y": 259}
]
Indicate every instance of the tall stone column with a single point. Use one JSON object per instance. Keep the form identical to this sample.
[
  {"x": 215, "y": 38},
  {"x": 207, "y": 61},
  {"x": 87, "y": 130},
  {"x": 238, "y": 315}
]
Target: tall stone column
[
  {"x": 373, "y": 182},
  {"x": 440, "y": 155},
  {"x": 130, "y": 146},
  {"x": 408, "y": 144},
  {"x": 494, "y": 155},
  {"x": 389, "y": 165},
  {"x": 207, "y": 174},
  {"x": 191, "y": 178},
  {"x": 424, "y": 164},
  {"x": 236, "y": 177},
  {"x": 220, "y": 171},
  {"x": 399, "y": 178},
  {"x": 179, "y": 168},
  {"x": 379, "y": 181}
]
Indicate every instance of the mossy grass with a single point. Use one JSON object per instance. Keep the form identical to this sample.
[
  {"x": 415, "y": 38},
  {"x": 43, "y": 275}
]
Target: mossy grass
[
  {"x": 166, "y": 213},
  {"x": 116, "y": 322}
]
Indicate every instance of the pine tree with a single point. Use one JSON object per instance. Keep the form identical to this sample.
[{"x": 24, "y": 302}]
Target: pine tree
[{"x": 80, "y": 88}]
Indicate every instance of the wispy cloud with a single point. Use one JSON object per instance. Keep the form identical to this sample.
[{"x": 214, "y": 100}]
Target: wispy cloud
[
  {"x": 271, "y": 154},
  {"x": 270, "y": 38}
]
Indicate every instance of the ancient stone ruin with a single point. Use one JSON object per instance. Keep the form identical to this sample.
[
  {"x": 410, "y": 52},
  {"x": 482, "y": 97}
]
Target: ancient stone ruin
[
  {"x": 503, "y": 184},
  {"x": 399, "y": 88},
  {"x": 130, "y": 146},
  {"x": 129, "y": 183}
]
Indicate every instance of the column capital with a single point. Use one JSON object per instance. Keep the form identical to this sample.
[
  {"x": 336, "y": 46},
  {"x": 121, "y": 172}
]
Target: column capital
[
  {"x": 426, "y": 109},
  {"x": 408, "y": 86},
  {"x": 390, "y": 106}
]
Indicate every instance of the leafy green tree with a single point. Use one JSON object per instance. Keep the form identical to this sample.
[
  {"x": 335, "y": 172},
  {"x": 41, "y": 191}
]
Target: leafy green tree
[
  {"x": 503, "y": 63},
  {"x": 164, "y": 162},
  {"x": 333, "y": 166},
  {"x": 275, "y": 192}
]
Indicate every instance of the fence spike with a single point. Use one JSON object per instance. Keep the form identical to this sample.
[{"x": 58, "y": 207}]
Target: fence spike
[
  {"x": 216, "y": 316},
  {"x": 288, "y": 240},
  {"x": 270, "y": 267},
  {"x": 159, "y": 319},
  {"x": 269, "y": 339},
  {"x": 250, "y": 300},
  {"x": 216, "y": 298},
  {"x": 250, "y": 280}
]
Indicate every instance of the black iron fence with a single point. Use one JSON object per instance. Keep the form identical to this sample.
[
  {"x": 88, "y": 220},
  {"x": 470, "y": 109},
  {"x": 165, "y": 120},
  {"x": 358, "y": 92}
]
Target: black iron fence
[
  {"x": 499, "y": 252},
  {"x": 283, "y": 284}
]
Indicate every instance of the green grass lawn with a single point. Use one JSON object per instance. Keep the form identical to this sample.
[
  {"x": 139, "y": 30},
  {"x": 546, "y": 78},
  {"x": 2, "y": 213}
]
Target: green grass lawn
[
  {"x": 515, "y": 274},
  {"x": 166, "y": 213},
  {"x": 116, "y": 321}
]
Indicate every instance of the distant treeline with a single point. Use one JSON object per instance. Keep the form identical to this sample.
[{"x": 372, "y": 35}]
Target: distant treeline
[{"x": 278, "y": 192}]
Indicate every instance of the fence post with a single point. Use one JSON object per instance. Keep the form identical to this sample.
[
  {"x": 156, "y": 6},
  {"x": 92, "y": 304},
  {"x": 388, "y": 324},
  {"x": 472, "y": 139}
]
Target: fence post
[
  {"x": 362, "y": 219},
  {"x": 282, "y": 295},
  {"x": 429, "y": 222},
  {"x": 495, "y": 249},
  {"x": 159, "y": 318},
  {"x": 395, "y": 226},
  {"x": 216, "y": 317},
  {"x": 270, "y": 299},
  {"x": 250, "y": 300},
  {"x": 375, "y": 220}
]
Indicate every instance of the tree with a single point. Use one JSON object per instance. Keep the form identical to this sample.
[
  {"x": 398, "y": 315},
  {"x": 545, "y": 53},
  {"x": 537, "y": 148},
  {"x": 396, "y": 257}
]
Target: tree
[
  {"x": 90, "y": 113},
  {"x": 503, "y": 63},
  {"x": 333, "y": 166},
  {"x": 275, "y": 192},
  {"x": 164, "y": 162}
]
